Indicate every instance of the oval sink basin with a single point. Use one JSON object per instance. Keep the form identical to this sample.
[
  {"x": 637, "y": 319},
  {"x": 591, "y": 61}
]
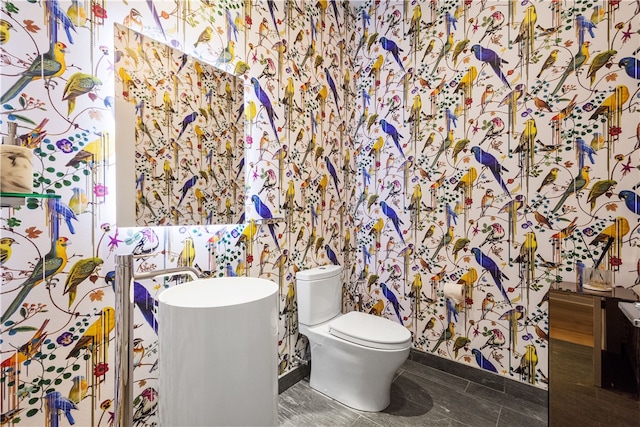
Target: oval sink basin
[
  {"x": 218, "y": 353},
  {"x": 218, "y": 292}
]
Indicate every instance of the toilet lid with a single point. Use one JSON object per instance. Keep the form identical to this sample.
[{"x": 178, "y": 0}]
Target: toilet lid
[{"x": 370, "y": 331}]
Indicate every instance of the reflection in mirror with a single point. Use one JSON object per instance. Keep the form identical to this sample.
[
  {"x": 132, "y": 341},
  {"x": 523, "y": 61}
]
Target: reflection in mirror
[{"x": 179, "y": 151}]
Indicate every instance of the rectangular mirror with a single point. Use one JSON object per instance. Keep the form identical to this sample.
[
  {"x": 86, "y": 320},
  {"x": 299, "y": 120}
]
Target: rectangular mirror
[{"x": 179, "y": 150}]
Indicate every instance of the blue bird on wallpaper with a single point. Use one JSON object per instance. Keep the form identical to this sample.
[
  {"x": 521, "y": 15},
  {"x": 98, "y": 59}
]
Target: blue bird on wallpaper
[
  {"x": 332, "y": 86},
  {"x": 451, "y": 311},
  {"x": 366, "y": 18},
  {"x": 272, "y": 9},
  {"x": 631, "y": 66},
  {"x": 490, "y": 162},
  {"x": 232, "y": 24},
  {"x": 451, "y": 118},
  {"x": 65, "y": 212},
  {"x": 366, "y": 176},
  {"x": 393, "y": 217},
  {"x": 451, "y": 215},
  {"x": 331, "y": 255},
  {"x": 109, "y": 102},
  {"x": 266, "y": 103},
  {"x": 156, "y": 17},
  {"x": 631, "y": 200},
  {"x": 496, "y": 273},
  {"x": 183, "y": 61},
  {"x": 451, "y": 20},
  {"x": 56, "y": 402},
  {"x": 332, "y": 171},
  {"x": 140, "y": 181},
  {"x": 393, "y": 48},
  {"x": 230, "y": 271},
  {"x": 334, "y": 6},
  {"x": 56, "y": 11},
  {"x": 240, "y": 112},
  {"x": 141, "y": 299},
  {"x": 188, "y": 119},
  {"x": 388, "y": 294},
  {"x": 139, "y": 108},
  {"x": 265, "y": 213},
  {"x": 584, "y": 149},
  {"x": 240, "y": 167},
  {"x": 188, "y": 184},
  {"x": 390, "y": 130},
  {"x": 482, "y": 361},
  {"x": 490, "y": 57},
  {"x": 366, "y": 98},
  {"x": 366, "y": 254},
  {"x": 584, "y": 24}
]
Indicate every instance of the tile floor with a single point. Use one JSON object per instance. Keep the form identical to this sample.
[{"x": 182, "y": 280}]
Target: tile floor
[
  {"x": 421, "y": 396},
  {"x": 575, "y": 401}
]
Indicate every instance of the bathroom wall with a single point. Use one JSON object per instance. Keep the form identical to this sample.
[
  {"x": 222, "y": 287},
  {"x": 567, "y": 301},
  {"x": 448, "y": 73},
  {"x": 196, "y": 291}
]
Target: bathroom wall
[
  {"x": 326, "y": 172},
  {"x": 485, "y": 160}
]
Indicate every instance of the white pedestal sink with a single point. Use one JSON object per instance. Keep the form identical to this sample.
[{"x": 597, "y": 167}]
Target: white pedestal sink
[{"x": 218, "y": 353}]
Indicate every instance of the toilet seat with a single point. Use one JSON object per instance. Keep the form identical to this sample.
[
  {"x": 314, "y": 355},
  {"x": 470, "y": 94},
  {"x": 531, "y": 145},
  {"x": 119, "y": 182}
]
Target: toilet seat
[{"x": 370, "y": 331}]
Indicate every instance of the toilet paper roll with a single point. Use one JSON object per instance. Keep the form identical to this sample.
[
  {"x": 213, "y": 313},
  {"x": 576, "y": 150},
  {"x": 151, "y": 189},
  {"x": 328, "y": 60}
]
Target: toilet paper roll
[
  {"x": 16, "y": 164},
  {"x": 454, "y": 292}
]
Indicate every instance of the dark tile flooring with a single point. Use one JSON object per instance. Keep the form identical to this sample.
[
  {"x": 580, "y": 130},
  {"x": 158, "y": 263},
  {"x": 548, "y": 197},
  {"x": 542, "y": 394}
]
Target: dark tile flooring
[
  {"x": 575, "y": 401},
  {"x": 420, "y": 395}
]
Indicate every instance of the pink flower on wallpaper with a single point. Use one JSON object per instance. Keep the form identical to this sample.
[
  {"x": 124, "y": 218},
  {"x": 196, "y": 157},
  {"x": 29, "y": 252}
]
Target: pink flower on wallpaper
[{"x": 100, "y": 190}]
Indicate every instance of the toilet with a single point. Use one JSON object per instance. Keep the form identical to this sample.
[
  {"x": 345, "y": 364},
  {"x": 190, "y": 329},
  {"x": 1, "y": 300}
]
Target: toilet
[{"x": 354, "y": 356}]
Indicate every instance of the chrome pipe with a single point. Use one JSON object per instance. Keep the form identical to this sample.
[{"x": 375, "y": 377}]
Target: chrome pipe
[
  {"x": 168, "y": 272},
  {"x": 124, "y": 341},
  {"x": 124, "y": 331}
]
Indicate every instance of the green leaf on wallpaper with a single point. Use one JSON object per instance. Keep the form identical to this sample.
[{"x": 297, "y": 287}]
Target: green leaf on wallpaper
[
  {"x": 33, "y": 400},
  {"x": 23, "y": 329},
  {"x": 75, "y": 367},
  {"x": 11, "y": 8},
  {"x": 32, "y": 412},
  {"x": 23, "y": 312},
  {"x": 66, "y": 182},
  {"x": 58, "y": 381},
  {"x": 66, "y": 375},
  {"x": 23, "y": 118},
  {"x": 50, "y": 368},
  {"x": 22, "y": 101}
]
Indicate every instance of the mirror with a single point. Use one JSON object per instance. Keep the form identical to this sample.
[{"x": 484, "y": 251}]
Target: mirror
[{"x": 179, "y": 150}]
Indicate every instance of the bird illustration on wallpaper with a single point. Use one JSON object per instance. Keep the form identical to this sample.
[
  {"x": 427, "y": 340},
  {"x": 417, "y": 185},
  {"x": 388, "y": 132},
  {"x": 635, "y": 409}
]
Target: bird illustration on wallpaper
[{"x": 186, "y": 141}]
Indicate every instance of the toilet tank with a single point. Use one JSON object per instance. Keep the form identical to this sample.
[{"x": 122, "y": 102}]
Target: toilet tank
[{"x": 319, "y": 294}]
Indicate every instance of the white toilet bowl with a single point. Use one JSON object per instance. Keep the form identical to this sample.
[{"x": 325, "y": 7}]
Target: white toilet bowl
[{"x": 354, "y": 358}]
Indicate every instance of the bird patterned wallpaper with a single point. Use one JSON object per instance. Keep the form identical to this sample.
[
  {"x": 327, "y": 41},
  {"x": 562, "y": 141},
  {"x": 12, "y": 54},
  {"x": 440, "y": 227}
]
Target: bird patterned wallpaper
[
  {"x": 419, "y": 144},
  {"x": 193, "y": 173}
]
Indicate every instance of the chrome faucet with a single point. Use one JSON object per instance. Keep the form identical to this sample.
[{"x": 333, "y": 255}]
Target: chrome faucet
[{"x": 124, "y": 331}]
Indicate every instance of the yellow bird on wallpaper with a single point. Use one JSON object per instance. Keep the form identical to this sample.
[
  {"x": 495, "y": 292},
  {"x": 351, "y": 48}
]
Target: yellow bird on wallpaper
[
  {"x": 599, "y": 61},
  {"x": 466, "y": 82},
  {"x": 5, "y": 249},
  {"x": 91, "y": 153},
  {"x": 205, "y": 36},
  {"x": 97, "y": 334},
  {"x": 47, "y": 66},
  {"x": 78, "y": 84},
  {"x": 79, "y": 272},
  {"x": 76, "y": 13},
  {"x": 5, "y": 27},
  {"x": 613, "y": 103},
  {"x": 615, "y": 231},
  {"x": 188, "y": 253}
]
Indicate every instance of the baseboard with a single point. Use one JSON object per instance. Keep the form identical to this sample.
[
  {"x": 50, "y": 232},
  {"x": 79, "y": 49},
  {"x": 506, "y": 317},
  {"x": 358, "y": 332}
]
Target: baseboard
[
  {"x": 488, "y": 379},
  {"x": 293, "y": 376}
]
